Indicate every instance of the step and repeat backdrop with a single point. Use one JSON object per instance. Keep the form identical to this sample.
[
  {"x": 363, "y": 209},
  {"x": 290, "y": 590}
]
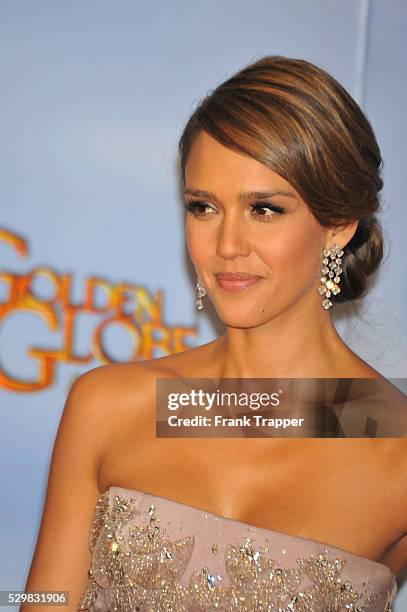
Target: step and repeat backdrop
[{"x": 93, "y": 261}]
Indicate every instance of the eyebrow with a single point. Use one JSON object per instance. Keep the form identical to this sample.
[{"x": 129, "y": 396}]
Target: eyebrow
[{"x": 244, "y": 195}]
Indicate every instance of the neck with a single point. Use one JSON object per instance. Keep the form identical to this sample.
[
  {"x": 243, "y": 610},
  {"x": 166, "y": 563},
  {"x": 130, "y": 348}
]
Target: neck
[{"x": 301, "y": 344}]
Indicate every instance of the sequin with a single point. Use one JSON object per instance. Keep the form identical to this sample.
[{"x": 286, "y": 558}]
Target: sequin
[{"x": 138, "y": 568}]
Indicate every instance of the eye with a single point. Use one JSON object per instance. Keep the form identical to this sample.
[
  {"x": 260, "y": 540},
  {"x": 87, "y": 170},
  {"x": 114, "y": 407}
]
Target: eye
[
  {"x": 271, "y": 210},
  {"x": 198, "y": 207},
  {"x": 264, "y": 211}
]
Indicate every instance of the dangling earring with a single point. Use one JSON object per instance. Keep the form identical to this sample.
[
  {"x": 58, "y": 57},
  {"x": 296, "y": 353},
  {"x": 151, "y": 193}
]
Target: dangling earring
[
  {"x": 200, "y": 293},
  {"x": 331, "y": 271}
]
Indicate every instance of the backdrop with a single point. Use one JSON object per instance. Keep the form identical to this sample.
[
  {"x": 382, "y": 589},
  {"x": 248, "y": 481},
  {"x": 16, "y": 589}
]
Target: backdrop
[{"x": 94, "y": 266}]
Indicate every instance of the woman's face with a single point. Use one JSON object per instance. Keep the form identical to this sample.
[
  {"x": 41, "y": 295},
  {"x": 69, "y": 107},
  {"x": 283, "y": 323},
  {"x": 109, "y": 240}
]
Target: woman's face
[{"x": 231, "y": 229}]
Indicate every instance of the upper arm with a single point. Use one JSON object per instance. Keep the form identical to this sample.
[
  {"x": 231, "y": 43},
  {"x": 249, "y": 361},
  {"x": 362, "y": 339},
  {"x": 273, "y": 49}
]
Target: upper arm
[
  {"x": 396, "y": 555},
  {"x": 62, "y": 554}
]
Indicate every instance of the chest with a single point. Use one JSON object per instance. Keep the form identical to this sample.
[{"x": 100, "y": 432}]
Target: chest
[{"x": 306, "y": 488}]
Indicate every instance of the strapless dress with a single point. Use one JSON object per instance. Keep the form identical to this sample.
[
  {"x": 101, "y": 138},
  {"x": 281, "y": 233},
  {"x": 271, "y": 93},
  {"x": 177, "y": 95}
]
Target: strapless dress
[{"x": 154, "y": 554}]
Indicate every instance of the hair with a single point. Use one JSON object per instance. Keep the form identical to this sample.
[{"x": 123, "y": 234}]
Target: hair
[{"x": 297, "y": 120}]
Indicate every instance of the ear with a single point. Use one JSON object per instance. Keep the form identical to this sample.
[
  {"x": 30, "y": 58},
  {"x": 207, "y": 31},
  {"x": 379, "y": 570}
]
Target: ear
[{"x": 342, "y": 234}]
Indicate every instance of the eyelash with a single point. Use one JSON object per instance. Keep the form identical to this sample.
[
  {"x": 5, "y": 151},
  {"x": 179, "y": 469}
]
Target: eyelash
[{"x": 193, "y": 206}]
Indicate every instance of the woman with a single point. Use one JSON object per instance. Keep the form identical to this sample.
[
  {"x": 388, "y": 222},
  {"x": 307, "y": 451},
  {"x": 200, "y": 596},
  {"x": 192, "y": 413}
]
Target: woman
[{"x": 281, "y": 172}]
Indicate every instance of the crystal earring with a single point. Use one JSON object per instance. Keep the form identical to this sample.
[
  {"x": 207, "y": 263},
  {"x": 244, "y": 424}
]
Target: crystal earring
[
  {"x": 200, "y": 293},
  {"x": 330, "y": 271}
]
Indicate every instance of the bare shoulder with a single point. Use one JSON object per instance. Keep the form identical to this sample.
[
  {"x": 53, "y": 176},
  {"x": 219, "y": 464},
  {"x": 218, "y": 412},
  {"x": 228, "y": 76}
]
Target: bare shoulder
[
  {"x": 392, "y": 455},
  {"x": 389, "y": 462},
  {"x": 111, "y": 397},
  {"x": 121, "y": 396},
  {"x": 358, "y": 368},
  {"x": 107, "y": 388}
]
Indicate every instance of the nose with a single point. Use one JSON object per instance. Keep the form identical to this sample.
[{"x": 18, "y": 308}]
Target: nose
[{"x": 231, "y": 239}]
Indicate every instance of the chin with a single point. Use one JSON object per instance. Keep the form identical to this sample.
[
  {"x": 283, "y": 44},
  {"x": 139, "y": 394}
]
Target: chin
[{"x": 241, "y": 319}]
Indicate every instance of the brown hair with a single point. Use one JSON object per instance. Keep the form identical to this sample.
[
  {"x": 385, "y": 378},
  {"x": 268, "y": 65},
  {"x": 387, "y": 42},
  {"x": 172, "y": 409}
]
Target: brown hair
[{"x": 297, "y": 120}]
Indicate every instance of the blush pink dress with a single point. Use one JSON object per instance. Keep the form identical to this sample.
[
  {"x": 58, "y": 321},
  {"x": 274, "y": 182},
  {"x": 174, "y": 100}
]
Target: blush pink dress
[{"x": 153, "y": 554}]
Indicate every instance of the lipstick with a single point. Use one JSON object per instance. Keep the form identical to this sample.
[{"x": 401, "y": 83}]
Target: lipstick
[{"x": 236, "y": 281}]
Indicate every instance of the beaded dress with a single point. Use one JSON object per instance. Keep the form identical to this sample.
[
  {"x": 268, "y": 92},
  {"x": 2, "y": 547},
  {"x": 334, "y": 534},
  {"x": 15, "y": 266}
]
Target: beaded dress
[{"x": 154, "y": 554}]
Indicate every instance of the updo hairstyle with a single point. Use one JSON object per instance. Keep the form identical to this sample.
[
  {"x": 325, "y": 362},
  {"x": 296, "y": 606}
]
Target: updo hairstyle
[{"x": 297, "y": 120}]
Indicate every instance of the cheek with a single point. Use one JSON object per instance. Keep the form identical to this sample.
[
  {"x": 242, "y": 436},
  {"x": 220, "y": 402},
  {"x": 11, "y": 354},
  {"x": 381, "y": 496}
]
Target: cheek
[
  {"x": 293, "y": 256},
  {"x": 199, "y": 248}
]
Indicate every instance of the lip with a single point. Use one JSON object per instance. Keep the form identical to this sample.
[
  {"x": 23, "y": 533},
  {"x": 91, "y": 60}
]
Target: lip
[{"x": 236, "y": 281}]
